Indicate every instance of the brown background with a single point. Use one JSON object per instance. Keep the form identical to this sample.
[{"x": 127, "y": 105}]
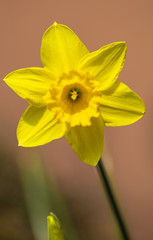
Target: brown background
[{"x": 129, "y": 149}]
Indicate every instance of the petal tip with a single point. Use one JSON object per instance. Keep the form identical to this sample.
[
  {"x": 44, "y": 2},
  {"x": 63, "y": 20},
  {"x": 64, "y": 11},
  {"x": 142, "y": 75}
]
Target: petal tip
[
  {"x": 123, "y": 44},
  {"x": 55, "y": 24},
  {"x": 5, "y": 78},
  {"x": 144, "y": 112}
]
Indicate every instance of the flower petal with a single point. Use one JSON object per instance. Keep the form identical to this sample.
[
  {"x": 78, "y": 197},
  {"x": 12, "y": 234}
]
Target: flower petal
[
  {"x": 38, "y": 126},
  {"x": 106, "y": 63},
  {"x": 61, "y": 49},
  {"x": 121, "y": 106},
  {"x": 30, "y": 84},
  {"x": 87, "y": 142}
]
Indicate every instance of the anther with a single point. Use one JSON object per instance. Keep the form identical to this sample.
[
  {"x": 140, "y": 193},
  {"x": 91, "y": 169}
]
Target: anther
[{"x": 74, "y": 94}]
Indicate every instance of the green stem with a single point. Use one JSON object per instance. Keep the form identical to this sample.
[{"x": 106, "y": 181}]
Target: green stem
[{"x": 112, "y": 201}]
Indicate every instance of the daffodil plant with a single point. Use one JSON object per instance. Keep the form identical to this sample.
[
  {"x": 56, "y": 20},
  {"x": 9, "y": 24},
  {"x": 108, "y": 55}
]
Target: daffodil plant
[
  {"x": 55, "y": 230},
  {"x": 74, "y": 95}
]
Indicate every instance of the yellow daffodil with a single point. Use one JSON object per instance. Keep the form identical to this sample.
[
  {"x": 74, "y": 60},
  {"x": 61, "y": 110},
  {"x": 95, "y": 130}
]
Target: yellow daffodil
[{"x": 74, "y": 95}]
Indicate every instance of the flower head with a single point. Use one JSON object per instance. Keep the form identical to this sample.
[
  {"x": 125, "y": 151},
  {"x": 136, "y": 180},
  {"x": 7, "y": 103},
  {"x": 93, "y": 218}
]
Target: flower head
[{"x": 74, "y": 95}]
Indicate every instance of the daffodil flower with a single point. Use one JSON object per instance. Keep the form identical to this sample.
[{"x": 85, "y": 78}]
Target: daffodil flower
[{"x": 74, "y": 95}]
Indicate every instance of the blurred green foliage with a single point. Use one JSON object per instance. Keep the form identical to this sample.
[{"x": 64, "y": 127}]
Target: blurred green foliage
[
  {"x": 27, "y": 198},
  {"x": 14, "y": 220}
]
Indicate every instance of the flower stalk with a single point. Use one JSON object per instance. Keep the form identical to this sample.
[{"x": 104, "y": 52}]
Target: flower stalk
[{"x": 112, "y": 200}]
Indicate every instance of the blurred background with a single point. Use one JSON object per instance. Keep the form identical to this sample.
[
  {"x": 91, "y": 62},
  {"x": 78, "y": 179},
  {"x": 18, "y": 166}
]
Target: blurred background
[{"x": 34, "y": 182}]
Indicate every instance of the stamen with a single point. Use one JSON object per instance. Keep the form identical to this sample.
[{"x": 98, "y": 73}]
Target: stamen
[{"x": 74, "y": 94}]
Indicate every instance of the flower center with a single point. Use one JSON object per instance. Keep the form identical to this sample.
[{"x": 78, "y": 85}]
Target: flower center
[{"x": 74, "y": 98}]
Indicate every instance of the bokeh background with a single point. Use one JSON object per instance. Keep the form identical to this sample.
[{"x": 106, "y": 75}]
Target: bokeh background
[{"x": 31, "y": 180}]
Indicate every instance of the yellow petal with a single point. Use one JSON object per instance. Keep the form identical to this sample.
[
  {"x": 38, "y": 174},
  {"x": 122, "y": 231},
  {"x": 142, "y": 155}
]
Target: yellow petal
[
  {"x": 38, "y": 126},
  {"x": 121, "y": 106},
  {"x": 30, "y": 83},
  {"x": 61, "y": 49},
  {"x": 105, "y": 64},
  {"x": 87, "y": 142}
]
